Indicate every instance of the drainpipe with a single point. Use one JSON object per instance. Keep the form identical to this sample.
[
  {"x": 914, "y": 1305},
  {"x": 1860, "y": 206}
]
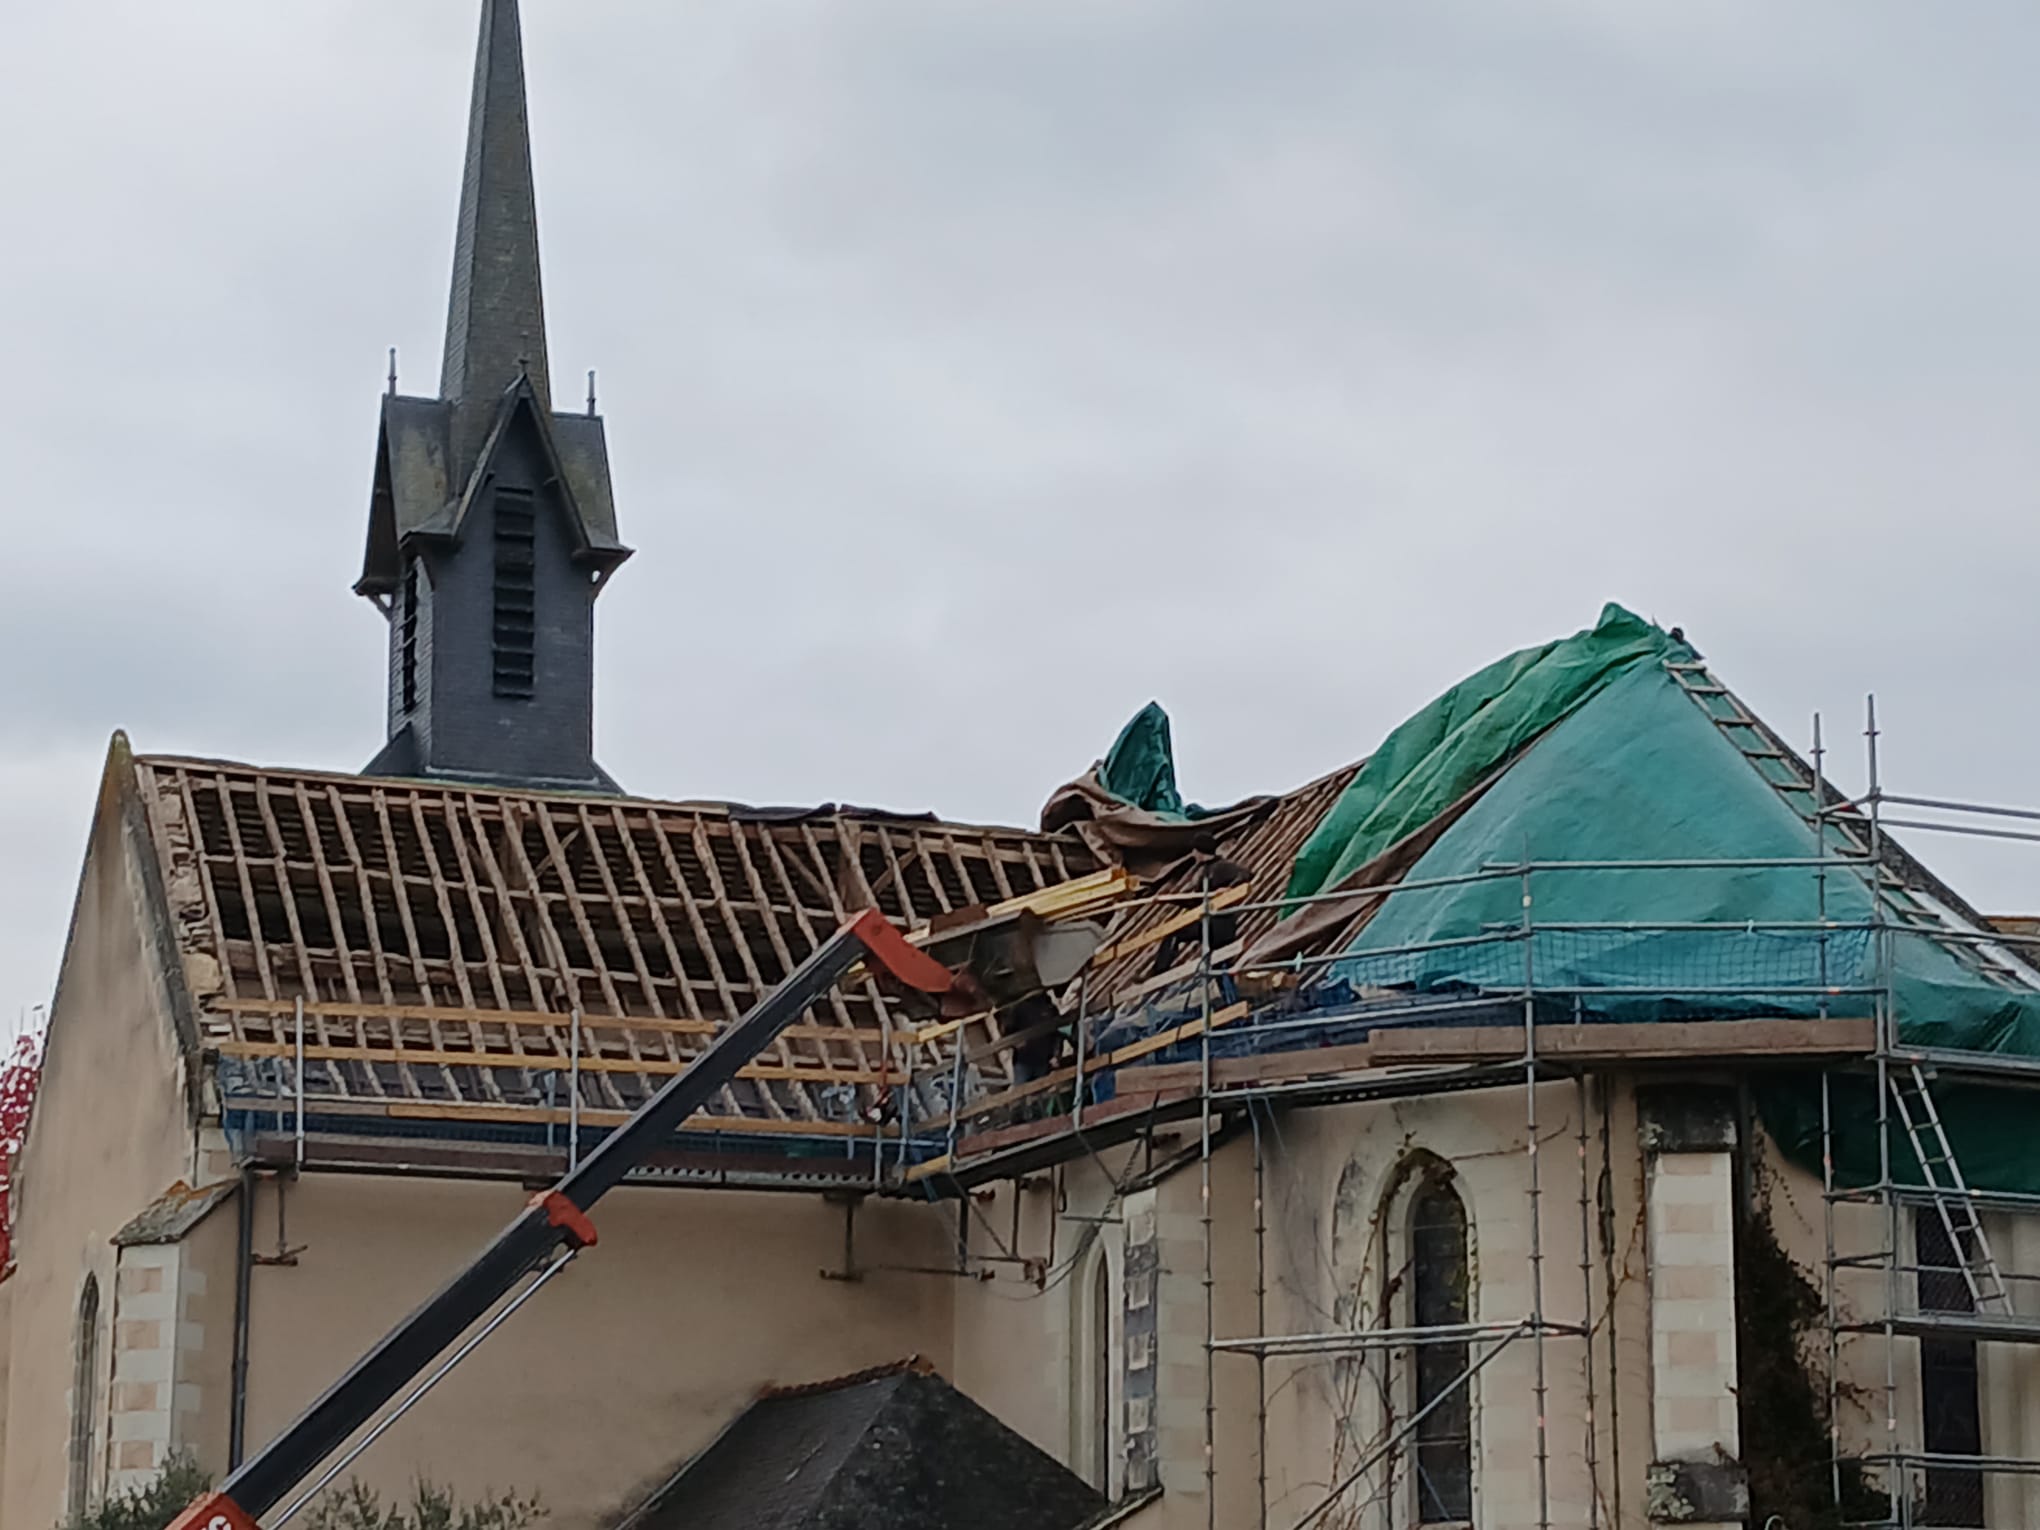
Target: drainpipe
[{"x": 244, "y": 1268}]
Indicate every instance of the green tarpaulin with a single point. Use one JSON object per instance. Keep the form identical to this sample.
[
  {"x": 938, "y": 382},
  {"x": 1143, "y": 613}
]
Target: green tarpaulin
[
  {"x": 1444, "y": 751},
  {"x": 1613, "y": 761},
  {"x": 1140, "y": 767}
]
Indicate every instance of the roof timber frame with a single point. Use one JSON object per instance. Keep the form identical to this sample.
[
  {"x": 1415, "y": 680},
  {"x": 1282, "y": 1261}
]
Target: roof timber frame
[
  {"x": 1265, "y": 848},
  {"x": 443, "y": 938}
]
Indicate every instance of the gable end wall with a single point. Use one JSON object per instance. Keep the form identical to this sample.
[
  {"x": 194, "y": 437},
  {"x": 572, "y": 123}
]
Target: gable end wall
[{"x": 112, "y": 1130}]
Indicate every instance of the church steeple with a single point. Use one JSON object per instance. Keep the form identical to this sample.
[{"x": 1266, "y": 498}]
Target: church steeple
[
  {"x": 495, "y": 320},
  {"x": 492, "y": 524}
]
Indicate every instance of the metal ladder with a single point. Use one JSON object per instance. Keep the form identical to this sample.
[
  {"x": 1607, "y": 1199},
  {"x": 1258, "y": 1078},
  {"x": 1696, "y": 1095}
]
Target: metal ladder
[
  {"x": 1790, "y": 777},
  {"x": 1952, "y": 1197}
]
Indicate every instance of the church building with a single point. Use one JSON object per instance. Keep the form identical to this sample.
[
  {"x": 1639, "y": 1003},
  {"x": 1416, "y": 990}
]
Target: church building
[{"x": 1577, "y": 1113}]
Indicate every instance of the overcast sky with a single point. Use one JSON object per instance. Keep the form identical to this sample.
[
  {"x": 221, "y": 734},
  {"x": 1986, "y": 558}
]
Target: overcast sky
[{"x": 977, "y": 371}]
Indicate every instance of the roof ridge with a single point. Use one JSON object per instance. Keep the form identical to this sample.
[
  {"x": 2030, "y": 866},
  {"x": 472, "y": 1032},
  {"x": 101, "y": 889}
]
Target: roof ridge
[
  {"x": 913, "y": 1365},
  {"x": 739, "y": 812},
  {"x": 1912, "y": 873}
]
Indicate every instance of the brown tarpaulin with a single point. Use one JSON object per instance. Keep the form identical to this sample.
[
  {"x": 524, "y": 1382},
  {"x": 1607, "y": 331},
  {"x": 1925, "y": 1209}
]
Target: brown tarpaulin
[
  {"x": 1335, "y": 920},
  {"x": 1149, "y": 845}
]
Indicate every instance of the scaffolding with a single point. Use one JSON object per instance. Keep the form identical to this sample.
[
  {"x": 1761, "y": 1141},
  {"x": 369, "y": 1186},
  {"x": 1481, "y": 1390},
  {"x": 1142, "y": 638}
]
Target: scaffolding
[
  {"x": 1961, "y": 1296},
  {"x": 1527, "y": 1068},
  {"x": 1245, "y": 1067},
  {"x": 1533, "y": 1067},
  {"x": 1222, "y": 1040}
]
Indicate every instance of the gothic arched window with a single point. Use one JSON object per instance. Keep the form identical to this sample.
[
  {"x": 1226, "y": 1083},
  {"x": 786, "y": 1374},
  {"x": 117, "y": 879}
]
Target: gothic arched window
[
  {"x": 1091, "y": 1374},
  {"x": 84, "y": 1395},
  {"x": 1440, "y": 1297}
]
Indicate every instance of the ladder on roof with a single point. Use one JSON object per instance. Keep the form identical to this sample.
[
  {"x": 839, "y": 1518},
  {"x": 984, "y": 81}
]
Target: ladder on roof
[
  {"x": 1953, "y": 1200},
  {"x": 1786, "y": 774}
]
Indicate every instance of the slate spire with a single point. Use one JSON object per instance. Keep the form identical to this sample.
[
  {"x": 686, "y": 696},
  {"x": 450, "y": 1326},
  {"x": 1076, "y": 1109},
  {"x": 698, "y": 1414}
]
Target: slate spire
[
  {"x": 492, "y": 520},
  {"x": 495, "y": 322}
]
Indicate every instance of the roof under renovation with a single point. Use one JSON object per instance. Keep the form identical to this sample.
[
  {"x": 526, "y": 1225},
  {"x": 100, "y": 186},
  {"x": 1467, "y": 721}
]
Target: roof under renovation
[
  {"x": 471, "y": 961},
  {"x": 1594, "y": 832},
  {"x": 442, "y": 941}
]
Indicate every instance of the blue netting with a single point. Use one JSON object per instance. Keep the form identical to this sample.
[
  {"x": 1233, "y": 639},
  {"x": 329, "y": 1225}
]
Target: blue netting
[{"x": 1642, "y": 974}]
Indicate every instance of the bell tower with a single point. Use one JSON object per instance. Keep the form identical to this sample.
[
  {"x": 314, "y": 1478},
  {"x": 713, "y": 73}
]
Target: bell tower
[{"x": 492, "y": 524}]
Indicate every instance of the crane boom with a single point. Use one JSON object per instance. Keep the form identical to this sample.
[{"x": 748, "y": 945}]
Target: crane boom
[{"x": 553, "y": 1220}]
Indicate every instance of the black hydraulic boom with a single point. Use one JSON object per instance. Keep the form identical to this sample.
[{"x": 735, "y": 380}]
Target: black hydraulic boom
[{"x": 554, "y": 1221}]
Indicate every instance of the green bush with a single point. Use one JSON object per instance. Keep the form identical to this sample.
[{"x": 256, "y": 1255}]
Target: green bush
[
  {"x": 151, "y": 1507},
  {"x": 430, "y": 1507},
  {"x": 353, "y": 1507}
]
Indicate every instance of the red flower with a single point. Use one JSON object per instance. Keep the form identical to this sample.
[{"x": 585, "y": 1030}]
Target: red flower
[{"x": 19, "y": 1076}]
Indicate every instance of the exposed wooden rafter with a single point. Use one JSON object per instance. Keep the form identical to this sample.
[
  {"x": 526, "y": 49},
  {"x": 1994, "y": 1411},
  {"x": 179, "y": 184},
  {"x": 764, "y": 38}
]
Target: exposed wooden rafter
[{"x": 442, "y": 937}]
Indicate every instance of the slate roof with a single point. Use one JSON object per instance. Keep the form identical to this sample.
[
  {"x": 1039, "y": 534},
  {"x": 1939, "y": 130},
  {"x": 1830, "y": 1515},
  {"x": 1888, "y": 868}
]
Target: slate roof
[
  {"x": 495, "y": 318},
  {"x": 898, "y": 1447},
  {"x": 417, "y": 495},
  {"x": 174, "y": 1213}
]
